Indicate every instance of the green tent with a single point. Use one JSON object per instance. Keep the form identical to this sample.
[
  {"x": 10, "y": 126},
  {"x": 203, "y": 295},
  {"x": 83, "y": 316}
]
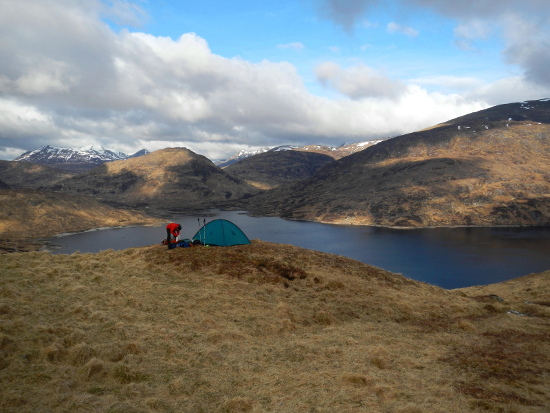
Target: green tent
[{"x": 221, "y": 233}]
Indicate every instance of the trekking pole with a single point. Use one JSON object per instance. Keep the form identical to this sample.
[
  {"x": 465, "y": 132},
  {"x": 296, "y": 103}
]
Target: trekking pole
[
  {"x": 199, "y": 222},
  {"x": 204, "y": 227}
]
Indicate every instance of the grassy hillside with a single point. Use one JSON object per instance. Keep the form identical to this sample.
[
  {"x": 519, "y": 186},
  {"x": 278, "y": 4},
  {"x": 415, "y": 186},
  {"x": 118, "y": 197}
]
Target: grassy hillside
[
  {"x": 28, "y": 215},
  {"x": 30, "y": 176},
  {"x": 173, "y": 178},
  {"x": 271, "y": 169},
  {"x": 260, "y": 328},
  {"x": 482, "y": 169}
]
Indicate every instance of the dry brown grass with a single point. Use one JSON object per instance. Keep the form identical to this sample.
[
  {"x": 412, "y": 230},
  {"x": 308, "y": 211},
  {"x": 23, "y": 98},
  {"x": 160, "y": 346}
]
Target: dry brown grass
[
  {"x": 260, "y": 328},
  {"x": 28, "y": 215}
]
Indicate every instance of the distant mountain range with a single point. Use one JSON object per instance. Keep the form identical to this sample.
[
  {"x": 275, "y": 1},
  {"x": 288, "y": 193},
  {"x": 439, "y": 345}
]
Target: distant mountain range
[
  {"x": 335, "y": 152},
  {"x": 75, "y": 160},
  {"x": 488, "y": 168}
]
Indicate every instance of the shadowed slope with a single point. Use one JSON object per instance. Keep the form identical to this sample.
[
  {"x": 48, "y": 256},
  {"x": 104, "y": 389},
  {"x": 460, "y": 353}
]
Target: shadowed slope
[
  {"x": 174, "y": 178},
  {"x": 271, "y": 169},
  {"x": 481, "y": 169},
  {"x": 26, "y": 175}
]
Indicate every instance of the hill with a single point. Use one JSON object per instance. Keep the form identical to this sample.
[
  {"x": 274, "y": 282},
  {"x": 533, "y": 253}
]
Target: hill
[
  {"x": 174, "y": 178},
  {"x": 25, "y": 175},
  {"x": 270, "y": 169},
  {"x": 262, "y": 327},
  {"x": 482, "y": 169},
  {"x": 29, "y": 215}
]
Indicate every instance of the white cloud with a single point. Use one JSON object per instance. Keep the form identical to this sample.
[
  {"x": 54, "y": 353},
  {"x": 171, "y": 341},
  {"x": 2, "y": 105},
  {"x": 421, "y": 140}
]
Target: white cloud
[
  {"x": 450, "y": 83},
  {"x": 124, "y": 13},
  {"x": 523, "y": 26},
  {"x": 293, "y": 45},
  {"x": 358, "y": 82},
  {"x": 70, "y": 80},
  {"x": 473, "y": 29},
  {"x": 393, "y": 27},
  {"x": 344, "y": 12}
]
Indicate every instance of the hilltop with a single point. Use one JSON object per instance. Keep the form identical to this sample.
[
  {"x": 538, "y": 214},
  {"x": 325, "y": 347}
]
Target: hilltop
[
  {"x": 262, "y": 327},
  {"x": 174, "y": 178},
  {"x": 487, "y": 168}
]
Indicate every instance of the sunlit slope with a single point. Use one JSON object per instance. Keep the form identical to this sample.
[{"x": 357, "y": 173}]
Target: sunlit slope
[
  {"x": 261, "y": 327},
  {"x": 174, "y": 178},
  {"x": 26, "y": 215},
  {"x": 487, "y": 168}
]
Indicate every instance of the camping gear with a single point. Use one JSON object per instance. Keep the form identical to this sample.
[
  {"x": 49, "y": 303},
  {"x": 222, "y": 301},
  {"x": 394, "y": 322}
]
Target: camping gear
[
  {"x": 182, "y": 243},
  {"x": 221, "y": 233}
]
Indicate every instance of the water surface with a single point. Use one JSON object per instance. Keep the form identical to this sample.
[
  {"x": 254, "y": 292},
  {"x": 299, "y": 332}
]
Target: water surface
[{"x": 447, "y": 257}]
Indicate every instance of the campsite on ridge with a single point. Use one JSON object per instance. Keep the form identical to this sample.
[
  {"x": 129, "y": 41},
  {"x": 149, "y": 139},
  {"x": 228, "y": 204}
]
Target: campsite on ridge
[{"x": 274, "y": 327}]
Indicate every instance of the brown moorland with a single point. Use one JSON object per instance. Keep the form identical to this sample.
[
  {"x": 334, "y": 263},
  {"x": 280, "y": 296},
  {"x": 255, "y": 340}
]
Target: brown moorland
[
  {"x": 172, "y": 178},
  {"x": 26, "y": 216},
  {"x": 488, "y": 168},
  {"x": 270, "y": 169},
  {"x": 24, "y": 175},
  {"x": 262, "y": 328}
]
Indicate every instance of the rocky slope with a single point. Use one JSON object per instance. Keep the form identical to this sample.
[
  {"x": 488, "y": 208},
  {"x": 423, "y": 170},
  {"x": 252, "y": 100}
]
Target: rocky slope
[
  {"x": 488, "y": 168},
  {"x": 174, "y": 178}
]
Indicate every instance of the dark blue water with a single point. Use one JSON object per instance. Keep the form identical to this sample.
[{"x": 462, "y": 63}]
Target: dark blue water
[{"x": 447, "y": 257}]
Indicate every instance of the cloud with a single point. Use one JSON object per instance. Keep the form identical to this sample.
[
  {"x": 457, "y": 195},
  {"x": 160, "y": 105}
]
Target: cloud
[
  {"x": 358, "y": 82},
  {"x": 524, "y": 27},
  {"x": 393, "y": 27},
  {"x": 293, "y": 45},
  {"x": 124, "y": 13},
  {"x": 71, "y": 80},
  {"x": 450, "y": 84},
  {"x": 344, "y": 12}
]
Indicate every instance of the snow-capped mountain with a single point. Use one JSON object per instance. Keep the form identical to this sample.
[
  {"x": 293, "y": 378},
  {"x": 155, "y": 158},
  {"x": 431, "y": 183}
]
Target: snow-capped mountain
[
  {"x": 247, "y": 154},
  {"x": 335, "y": 152},
  {"x": 74, "y": 159}
]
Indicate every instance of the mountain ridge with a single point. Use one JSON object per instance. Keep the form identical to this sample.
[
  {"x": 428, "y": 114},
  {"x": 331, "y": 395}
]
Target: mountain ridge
[
  {"x": 75, "y": 160},
  {"x": 480, "y": 169},
  {"x": 172, "y": 178}
]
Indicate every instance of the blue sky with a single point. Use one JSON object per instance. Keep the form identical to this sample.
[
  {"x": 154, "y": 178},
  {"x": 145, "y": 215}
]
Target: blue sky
[{"x": 218, "y": 77}]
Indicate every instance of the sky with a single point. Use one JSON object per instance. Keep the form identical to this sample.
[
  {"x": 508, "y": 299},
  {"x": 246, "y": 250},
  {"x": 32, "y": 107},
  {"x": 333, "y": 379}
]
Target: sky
[{"x": 221, "y": 76}]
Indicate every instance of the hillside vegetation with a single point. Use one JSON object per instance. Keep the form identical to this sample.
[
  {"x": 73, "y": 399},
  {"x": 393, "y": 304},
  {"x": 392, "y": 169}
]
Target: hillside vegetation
[
  {"x": 24, "y": 175},
  {"x": 270, "y": 169},
  {"x": 262, "y": 328},
  {"x": 28, "y": 215},
  {"x": 487, "y": 168},
  {"x": 171, "y": 179}
]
